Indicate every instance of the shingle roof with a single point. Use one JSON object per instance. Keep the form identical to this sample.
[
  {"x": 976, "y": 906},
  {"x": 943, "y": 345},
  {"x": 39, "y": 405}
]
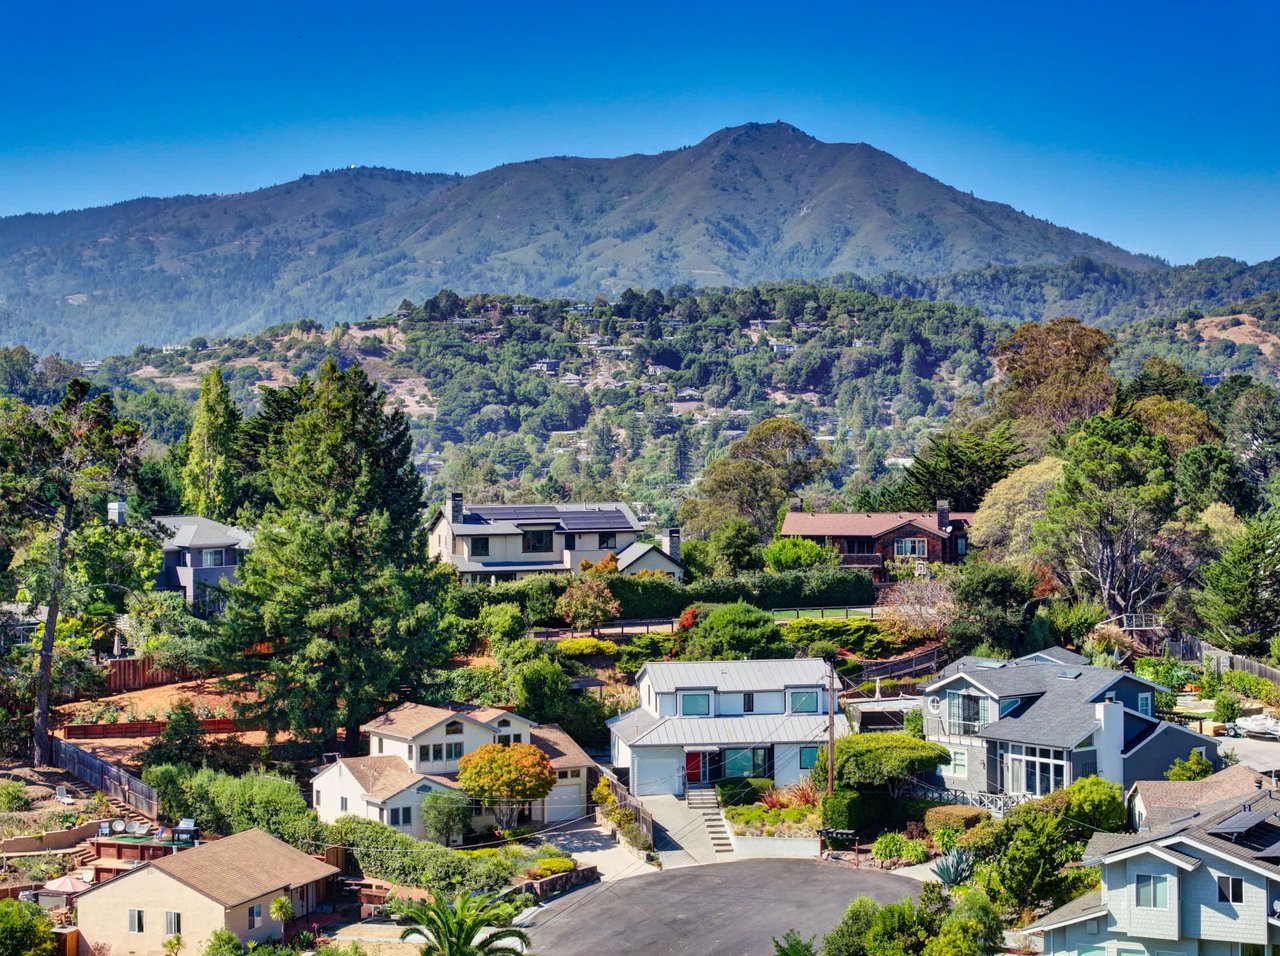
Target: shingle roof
[
  {"x": 243, "y": 867},
  {"x": 866, "y": 524},
  {"x": 564, "y": 752},
  {"x": 735, "y": 676},
  {"x": 192, "y": 531},
  {"x": 1165, "y": 800},
  {"x": 1081, "y": 908},
  {"x": 409, "y": 720},
  {"x": 381, "y": 777},
  {"x": 1058, "y": 655},
  {"x": 637, "y": 550}
]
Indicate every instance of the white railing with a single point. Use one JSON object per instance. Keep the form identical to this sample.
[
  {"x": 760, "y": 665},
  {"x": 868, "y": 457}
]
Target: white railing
[{"x": 997, "y": 804}]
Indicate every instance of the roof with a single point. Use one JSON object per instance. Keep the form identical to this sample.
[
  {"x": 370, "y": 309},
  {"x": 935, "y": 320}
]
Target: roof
[
  {"x": 192, "y": 531},
  {"x": 743, "y": 731},
  {"x": 637, "y": 550},
  {"x": 564, "y": 752},
  {"x": 243, "y": 867},
  {"x": 571, "y": 518},
  {"x": 1165, "y": 800},
  {"x": 867, "y": 524},
  {"x": 1081, "y": 908},
  {"x": 409, "y": 720},
  {"x": 735, "y": 676},
  {"x": 1059, "y": 655},
  {"x": 381, "y": 777}
]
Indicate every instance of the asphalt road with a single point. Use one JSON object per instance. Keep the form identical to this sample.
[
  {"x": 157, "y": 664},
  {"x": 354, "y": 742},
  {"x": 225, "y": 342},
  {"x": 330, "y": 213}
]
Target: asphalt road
[{"x": 726, "y": 909}]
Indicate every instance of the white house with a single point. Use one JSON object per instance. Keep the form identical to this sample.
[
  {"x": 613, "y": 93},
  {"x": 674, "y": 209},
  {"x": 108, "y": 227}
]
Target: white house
[
  {"x": 415, "y": 748},
  {"x": 702, "y": 721}
]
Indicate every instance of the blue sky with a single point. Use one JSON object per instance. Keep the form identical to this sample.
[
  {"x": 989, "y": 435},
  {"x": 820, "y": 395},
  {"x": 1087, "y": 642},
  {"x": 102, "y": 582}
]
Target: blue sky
[{"x": 1155, "y": 126}]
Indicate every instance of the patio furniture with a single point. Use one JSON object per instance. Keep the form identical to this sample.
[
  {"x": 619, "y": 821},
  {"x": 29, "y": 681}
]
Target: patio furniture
[{"x": 63, "y": 797}]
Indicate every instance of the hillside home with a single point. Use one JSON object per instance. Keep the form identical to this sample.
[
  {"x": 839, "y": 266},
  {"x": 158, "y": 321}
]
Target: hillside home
[
  {"x": 414, "y": 749},
  {"x": 702, "y": 721},
  {"x": 1029, "y": 726},
  {"x": 200, "y": 555},
  {"x": 1204, "y": 885},
  {"x": 225, "y": 884},
  {"x": 869, "y": 541},
  {"x": 491, "y": 543}
]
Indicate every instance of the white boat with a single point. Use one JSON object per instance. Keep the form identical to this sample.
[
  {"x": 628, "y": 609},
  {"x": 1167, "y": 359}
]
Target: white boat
[{"x": 1259, "y": 725}]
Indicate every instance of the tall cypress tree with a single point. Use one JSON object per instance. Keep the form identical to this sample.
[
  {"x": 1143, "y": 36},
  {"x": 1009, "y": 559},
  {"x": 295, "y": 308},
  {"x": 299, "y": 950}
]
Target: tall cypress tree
[
  {"x": 337, "y": 586},
  {"x": 209, "y": 476}
]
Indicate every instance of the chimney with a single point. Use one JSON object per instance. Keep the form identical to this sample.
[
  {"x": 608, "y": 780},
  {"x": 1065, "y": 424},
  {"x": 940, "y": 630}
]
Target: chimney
[
  {"x": 455, "y": 507},
  {"x": 673, "y": 543},
  {"x": 1109, "y": 739},
  {"x": 795, "y": 504},
  {"x": 115, "y": 512},
  {"x": 944, "y": 515}
]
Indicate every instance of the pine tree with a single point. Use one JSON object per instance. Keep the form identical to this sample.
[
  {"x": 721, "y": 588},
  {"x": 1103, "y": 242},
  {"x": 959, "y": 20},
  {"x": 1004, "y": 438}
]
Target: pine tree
[
  {"x": 337, "y": 584},
  {"x": 209, "y": 476}
]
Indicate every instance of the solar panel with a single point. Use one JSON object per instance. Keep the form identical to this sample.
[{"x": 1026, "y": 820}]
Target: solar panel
[{"x": 1242, "y": 821}]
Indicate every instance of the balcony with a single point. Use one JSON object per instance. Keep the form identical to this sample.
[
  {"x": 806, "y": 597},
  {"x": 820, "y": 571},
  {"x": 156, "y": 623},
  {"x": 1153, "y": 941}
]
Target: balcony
[{"x": 861, "y": 561}]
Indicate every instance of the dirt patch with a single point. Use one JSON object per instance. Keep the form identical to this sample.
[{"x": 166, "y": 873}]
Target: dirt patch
[
  {"x": 203, "y": 694},
  {"x": 127, "y": 751},
  {"x": 1242, "y": 329}
]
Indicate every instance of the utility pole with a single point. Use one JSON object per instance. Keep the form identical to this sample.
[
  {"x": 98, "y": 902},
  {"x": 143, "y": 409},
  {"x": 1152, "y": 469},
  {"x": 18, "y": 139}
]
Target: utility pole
[{"x": 831, "y": 728}]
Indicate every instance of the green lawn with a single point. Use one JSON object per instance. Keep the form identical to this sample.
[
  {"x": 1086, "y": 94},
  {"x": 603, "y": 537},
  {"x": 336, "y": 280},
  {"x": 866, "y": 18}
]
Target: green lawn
[{"x": 828, "y": 612}]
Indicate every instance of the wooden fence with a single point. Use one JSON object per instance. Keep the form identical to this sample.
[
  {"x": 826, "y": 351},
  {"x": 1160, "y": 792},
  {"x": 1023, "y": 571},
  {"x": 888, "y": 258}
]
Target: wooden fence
[
  {"x": 103, "y": 776},
  {"x": 145, "y": 728},
  {"x": 1218, "y": 660},
  {"x": 926, "y": 662},
  {"x": 138, "y": 673},
  {"x": 625, "y": 799}
]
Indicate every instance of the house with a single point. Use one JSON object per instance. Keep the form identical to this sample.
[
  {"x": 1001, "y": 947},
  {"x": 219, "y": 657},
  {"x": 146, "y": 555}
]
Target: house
[
  {"x": 1029, "y": 726},
  {"x": 702, "y": 721},
  {"x": 415, "y": 748},
  {"x": 200, "y": 555},
  {"x": 546, "y": 366},
  {"x": 871, "y": 540},
  {"x": 489, "y": 543},
  {"x": 224, "y": 884},
  {"x": 1205, "y": 885},
  {"x": 1154, "y": 803}
]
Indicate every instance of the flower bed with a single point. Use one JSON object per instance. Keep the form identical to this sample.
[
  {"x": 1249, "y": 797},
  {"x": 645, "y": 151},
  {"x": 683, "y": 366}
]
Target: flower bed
[{"x": 758, "y": 820}]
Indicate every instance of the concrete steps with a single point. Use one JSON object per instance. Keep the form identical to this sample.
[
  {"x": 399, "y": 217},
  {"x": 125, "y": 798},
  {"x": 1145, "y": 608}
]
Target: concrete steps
[{"x": 703, "y": 800}]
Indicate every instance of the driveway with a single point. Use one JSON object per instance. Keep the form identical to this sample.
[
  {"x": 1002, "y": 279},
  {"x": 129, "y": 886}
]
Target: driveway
[
  {"x": 733, "y": 909},
  {"x": 592, "y": 846},
  {"x": 1255, "y": 753}
]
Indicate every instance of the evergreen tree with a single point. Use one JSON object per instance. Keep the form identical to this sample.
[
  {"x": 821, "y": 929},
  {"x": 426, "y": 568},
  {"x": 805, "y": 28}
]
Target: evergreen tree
[
  {"x": 337, "y": 584},
  {"x": 258, "y": 441},
  {"x": 1241, "y": 596},
  {"x": 209, "y": 476}
]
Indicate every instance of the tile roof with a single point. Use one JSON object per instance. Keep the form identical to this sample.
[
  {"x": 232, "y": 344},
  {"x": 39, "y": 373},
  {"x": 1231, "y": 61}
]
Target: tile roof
[
  {"x": 867, "y": 524},
  {"x": 563, "y": 750},
  {"x": 733, "y": 676},
  {"x": 242, "y": 867},
  {"x": 380, "y": 777},
  {"x": 192, "y": 531}
]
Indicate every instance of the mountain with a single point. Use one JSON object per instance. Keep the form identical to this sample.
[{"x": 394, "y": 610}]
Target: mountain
[{"x": 748, "y": 203}]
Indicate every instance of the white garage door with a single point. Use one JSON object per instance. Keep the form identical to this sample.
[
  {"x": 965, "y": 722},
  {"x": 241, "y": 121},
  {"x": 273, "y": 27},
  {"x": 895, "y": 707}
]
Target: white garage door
[
  {"x": 657, "y": 772},
  {"x": 565, "y": 801}
]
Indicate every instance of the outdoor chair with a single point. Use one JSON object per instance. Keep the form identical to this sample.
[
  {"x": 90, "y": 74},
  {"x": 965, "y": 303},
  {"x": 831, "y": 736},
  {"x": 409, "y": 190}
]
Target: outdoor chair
[{"x": 63, "y": 797}]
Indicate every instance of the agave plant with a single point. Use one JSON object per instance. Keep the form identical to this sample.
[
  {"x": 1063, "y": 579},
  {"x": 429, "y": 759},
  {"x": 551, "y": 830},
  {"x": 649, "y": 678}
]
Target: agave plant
[
  {"x": 463, "y": 928},
  {"x": 955, "y": 867}
]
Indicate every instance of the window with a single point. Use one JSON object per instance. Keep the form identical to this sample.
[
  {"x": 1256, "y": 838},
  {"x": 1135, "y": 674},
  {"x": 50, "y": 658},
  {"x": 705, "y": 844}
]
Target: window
[
  {"x": 1253, "y": 949},
  {"x": 479, "y": 547},
  {"x": 1152, "y": 891},
  {"x": 695, "y": 705},
  {"x": 1091, "y": 950},
  {"x": 967, "y": 713},
  {"x": 910, "y": 548},
  {"x": 172, "y": 924},
  {"x": 504, "y": 722},
  {"x": 212, "y": 558},
  {"x": 1144, "y": 704},
  {"x": 507, "y": 740},
  {"x": 562, "y": 774},
  {"x": 570, "y": 542},
  {"x": 379, "y": 745},
  {"x": 342, "y": 804},
  {"x": 437, "y": 751},
  {"x": 401, "y": 816},
  {"x": 959, "y": 766},
  {"x": 962, "y": 547},
  {"x": 748, "y": 703},
  {"x": 1230, "y": 889},
  {"x": 453, "y": 727},
  {"x": 315, "y": 797},
  {"x": 453, "y": 751},
  {"x": 746, "y": 762},
  {"x": 808, "y": 757},
  {"x": 804, "y": 702},
  {"x": 410, "y": 753},
  {"x": 575, "y": 774},
  {"x": 537, "y": 542},
  {"x": 608, "y": 540},
  {"x": 135, "y": 921},
  {"x": 255, "y": 916}
]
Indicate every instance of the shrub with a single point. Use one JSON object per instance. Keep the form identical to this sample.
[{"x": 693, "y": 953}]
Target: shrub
[
  {"x": 953, "y": 816},
  {"x": 621, "y": 817},
  {"x": 13, "y": 797},
  {"x": 1226, "y": 707},
  {"x": 945, "y": 839},
  {"x": 736, "y": 632},
  {"x": 888, "y": 846},
  {"x": 602, "y": 794},
  {"x": 550, "y": 867},
  {"x": 737, "y": 791},
  {"x": 803, "y": 793},
  {"x": 824, "y": 650},
  {"x": 585, "y": 647},
  {"x": 633, "y": 835},
  {"x": 855, "y": 810},
  {"x": 861, "y": 636},
  {"x": 1252, "y": 686},
  {"x": 915, "y": 808},
  {"x": 645, "y": 648},
  {"x": 914, "y": 851}
]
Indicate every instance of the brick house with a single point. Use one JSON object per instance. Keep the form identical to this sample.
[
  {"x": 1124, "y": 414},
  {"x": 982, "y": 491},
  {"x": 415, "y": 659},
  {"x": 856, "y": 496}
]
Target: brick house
[{"x": 871, "y": 540}]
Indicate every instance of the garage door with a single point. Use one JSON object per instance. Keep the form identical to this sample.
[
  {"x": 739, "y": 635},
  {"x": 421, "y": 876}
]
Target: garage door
[{"x": 565, "y": 801}]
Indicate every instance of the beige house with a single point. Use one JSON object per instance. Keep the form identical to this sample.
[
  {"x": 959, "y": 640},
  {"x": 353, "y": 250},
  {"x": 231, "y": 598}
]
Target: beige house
[
  {"x": 491, "y": 543},
  {"x": 415, "y": 749},
  {"x": 228, "y": 883}
]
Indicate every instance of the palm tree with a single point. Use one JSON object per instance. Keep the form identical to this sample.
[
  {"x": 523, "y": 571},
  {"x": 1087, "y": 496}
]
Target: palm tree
[{"x": 458, "y": 929}]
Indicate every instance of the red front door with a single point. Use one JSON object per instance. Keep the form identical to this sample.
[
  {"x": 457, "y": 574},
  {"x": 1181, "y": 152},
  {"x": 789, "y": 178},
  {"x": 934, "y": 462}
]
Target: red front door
[{"x": 693, "y": 768}]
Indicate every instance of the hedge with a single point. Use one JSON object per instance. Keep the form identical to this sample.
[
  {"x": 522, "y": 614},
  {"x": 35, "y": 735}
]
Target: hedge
[
  {"x": 953, "y": 817},
  {"x": 740, "y": 791},
  {"x": 585, "y": 647},
  {"x": 1249, "y": 685},
  {"x": 382, "y": 852},
  {"x": 859, "y": 636},
  {"x": 863, "y": 811}
]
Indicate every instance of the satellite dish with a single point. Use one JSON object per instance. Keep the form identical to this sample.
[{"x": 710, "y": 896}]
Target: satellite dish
[{"x": 935, "y": 705}]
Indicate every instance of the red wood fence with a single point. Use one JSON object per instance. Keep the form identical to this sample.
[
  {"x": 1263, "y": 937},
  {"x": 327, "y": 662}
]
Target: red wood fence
[
  {"x": 146, "y": 728},
  {"x": 137, "y": 673}
]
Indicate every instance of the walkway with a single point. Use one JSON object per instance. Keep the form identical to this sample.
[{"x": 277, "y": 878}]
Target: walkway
[
  {"x": 680, "y": 833},
  {"x": 593, "y": 846}
]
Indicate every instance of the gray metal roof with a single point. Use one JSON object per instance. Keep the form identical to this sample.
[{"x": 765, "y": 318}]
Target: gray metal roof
[
  {"x": 668, "y": 676},
  {"x": 482, "y": 567},
  {"x": 749, "y": 730},
  {"x": 192, "y": 531}
]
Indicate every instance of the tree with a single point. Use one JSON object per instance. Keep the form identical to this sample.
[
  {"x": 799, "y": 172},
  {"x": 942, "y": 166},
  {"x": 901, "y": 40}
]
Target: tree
[
  {"x": 961, "y": 466},
  {"x": 540, "y": 690},
  {"x": 462, "y": 928},
  {"x": 160, "y": 624},
  {"x": 1240, "y": 599},
  {"x": 881, "y": 761},
  {"x": 1196, "y": 767},
  {"x": 1004, "y": 520},
  {"x": 181, "y": 741},
  {"x": 735, "y": 547},
  {"x": 337, "y": 583},
  {"x": 281, "y": 909},
  {"x": 588, "y": 603},
  {"x": 55, "y": 467},
  {"x": 1253, "y": 429},
  {"x": 506, "y": 777},
  {"x": 797, "y": 554},
  {"x": 957, "y": 938},
  {"x": 259, "y": 438},
  {"x": 736, "y": 632},
  {"x": 209, "y": 476},
  {"x": 991, "y": 604},
  {"x": 849, "y": 936},
  {"x": 1179, "y": 422},
  {"x": 1093, "y": 805},
  {"x": 1207, "y": 474},
  {"x": 25, "y": 930},
  {"x": 793, "y": 944},
  {"x": 1029, "y": 868},
  {"x": 446, "y": 814}
]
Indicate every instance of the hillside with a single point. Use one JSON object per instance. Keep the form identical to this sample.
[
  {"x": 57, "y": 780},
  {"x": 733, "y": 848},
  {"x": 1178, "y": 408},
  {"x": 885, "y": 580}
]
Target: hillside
[{"x": 746, "y": 204}]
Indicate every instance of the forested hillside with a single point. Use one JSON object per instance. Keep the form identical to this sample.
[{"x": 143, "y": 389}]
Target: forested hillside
[{"x": 747, "y": 204}]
